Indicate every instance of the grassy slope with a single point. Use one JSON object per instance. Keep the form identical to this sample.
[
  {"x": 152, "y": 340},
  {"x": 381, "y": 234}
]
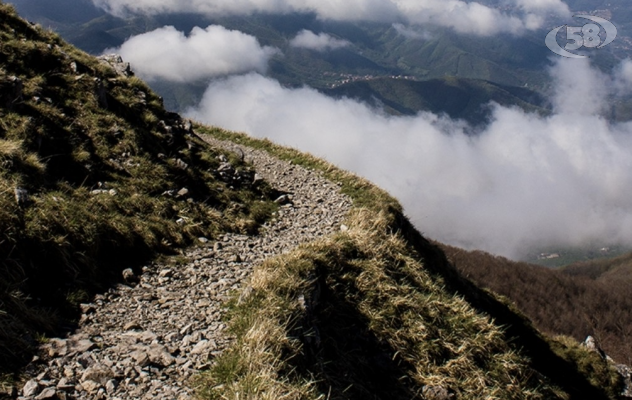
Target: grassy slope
[
  {"x": 378, "y": 312},
  {"x": 574, "y": 302},
  {"x": 70, "y": 125}
]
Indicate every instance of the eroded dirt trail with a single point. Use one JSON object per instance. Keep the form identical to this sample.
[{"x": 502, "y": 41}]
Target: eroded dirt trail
[{"x": 147, "y": 341}]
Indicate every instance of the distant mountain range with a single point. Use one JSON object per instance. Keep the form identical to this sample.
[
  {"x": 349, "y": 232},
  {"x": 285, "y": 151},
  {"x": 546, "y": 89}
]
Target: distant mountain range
[
  {"x": 504, "y": 68},
  {"x": 456, "y": 97}
]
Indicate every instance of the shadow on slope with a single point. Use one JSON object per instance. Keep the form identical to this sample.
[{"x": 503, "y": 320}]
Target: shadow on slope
[
  {"x": 545, "y": 355},
  {"x": 340, "y": 349}
]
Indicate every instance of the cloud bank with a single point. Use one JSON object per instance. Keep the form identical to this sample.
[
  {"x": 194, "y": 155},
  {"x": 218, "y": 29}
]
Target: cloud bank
[
  {"x": 465, "y": 17},
  {"x": 525, "y": 182},
  {"x": 321, "y": 42},
  {"x": 169, "y": 54}
]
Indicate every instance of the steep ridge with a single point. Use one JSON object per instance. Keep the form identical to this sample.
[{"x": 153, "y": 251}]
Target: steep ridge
[
  {"x": 590, "y": 298},
  {"x": 345, "y": 300},
  {"x": 95, "y": 177}
]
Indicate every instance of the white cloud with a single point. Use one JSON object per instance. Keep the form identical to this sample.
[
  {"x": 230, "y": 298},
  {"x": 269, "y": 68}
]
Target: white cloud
[
  {"x": 461, "y": 16},
  {"x": 168, "y": 54},
  {"x": 579, "y": 91},
  {"x": 475, "y": 18},
  {"x": 557, "y": 7},
  {"x": 526, "y": 181},
  {"x": 465, "y": 17},
  {"x": 411, "y": 33},
  {"x": 625, "y": 70},
  {"x": 321, "y": 42}
]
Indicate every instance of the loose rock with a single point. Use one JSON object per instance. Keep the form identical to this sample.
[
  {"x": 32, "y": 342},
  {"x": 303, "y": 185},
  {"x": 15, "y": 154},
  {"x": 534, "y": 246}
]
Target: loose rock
[
  {"x": 31, "y": 388},
  {"x": 48, "y": 393}
]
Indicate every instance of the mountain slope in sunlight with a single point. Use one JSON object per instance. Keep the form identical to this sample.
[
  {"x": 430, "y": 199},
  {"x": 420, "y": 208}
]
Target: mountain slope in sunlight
[{"x": 96, "y": 176}]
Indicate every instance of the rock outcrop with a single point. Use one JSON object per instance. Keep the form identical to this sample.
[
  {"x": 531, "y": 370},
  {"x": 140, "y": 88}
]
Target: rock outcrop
[{"x": 626, "y": 372}]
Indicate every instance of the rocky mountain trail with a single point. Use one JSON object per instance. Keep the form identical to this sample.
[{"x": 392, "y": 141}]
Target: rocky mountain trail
[{"x": 148, "y": 338}]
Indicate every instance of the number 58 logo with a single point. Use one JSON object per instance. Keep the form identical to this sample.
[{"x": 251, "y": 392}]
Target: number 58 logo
[{"x": 582, "y": 36}]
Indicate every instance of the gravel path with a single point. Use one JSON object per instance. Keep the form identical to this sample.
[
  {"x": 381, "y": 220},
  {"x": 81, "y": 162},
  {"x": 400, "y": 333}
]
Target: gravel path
[{"x": 146, "y": 341}]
